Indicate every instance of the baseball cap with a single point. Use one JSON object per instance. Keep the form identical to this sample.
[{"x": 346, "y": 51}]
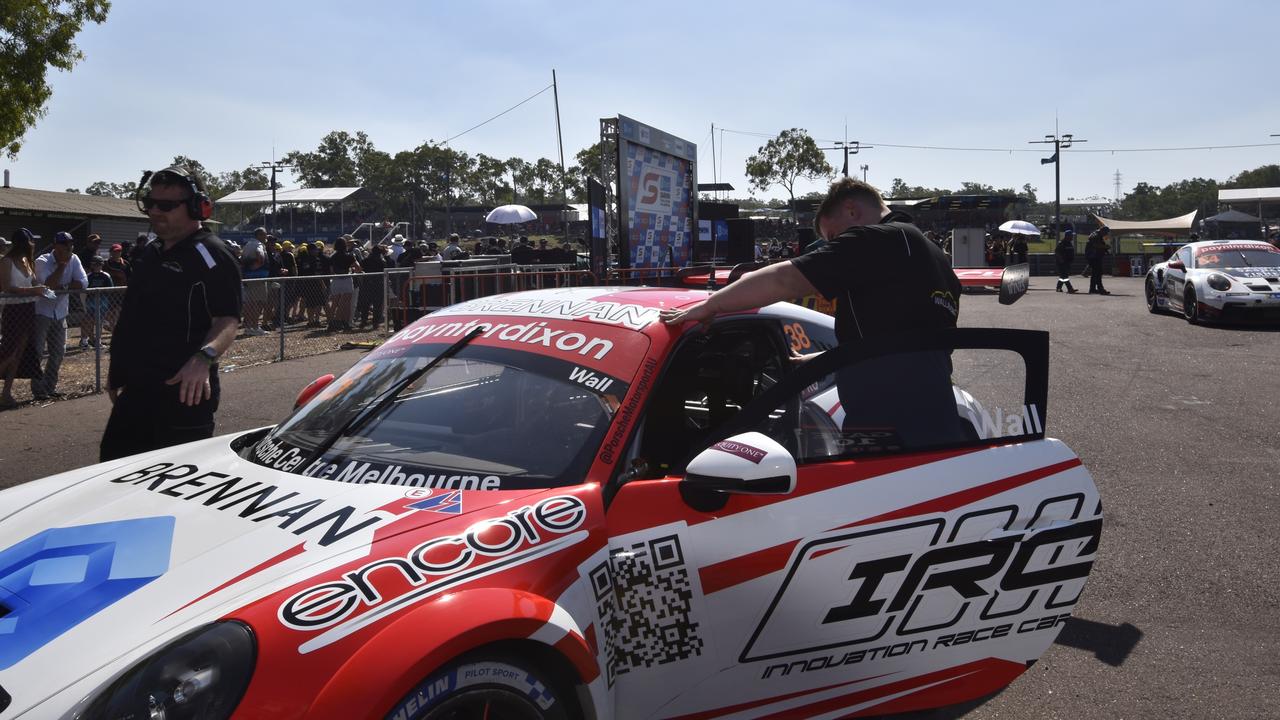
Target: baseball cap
[
  {"x": 95, "y": 237},
  {"x": 1069, "y": 231},
  {"x": 287, "y": 245},
  {"x": 63, "y": 238},
  {"x": 453, "y": 236},
  {"x": 117, "y": 247}
]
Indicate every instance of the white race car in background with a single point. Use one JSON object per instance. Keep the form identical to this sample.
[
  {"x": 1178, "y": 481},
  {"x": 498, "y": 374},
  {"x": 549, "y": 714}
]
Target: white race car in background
[{"x": 1218, "y": 280}]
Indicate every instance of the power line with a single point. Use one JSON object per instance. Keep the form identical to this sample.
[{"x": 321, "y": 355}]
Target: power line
[
  {"x": 1025, "y": 150},
  {"x": 504, "y": 112}
]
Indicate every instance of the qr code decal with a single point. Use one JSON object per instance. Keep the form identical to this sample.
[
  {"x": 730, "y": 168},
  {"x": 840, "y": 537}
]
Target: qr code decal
[{"x": 644, "y": 599}]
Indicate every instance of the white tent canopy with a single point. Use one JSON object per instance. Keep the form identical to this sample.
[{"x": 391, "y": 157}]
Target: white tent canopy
[
  {"x": 1253, "y": 195},
  {"x": 300, "y": 195},
  {"x": 1181, "y": 224}
]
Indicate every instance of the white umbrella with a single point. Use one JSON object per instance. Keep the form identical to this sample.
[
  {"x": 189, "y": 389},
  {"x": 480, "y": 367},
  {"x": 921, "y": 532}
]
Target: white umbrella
[
  {"x": 1020, "y": 227},
  {"x": 510, "y": 215}
]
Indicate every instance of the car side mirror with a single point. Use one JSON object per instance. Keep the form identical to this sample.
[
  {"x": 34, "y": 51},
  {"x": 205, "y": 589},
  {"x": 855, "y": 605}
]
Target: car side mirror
[
  {"x": 310, "y": 391},
  {"x": 748, "y": 464},
  {"x": 1176, "y": 265}
]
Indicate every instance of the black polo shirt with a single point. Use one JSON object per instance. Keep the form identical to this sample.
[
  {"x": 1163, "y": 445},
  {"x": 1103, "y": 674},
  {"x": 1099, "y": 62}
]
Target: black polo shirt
[
  {"x": 169, "y": 307},
  {"x": 885, "y": 278}
]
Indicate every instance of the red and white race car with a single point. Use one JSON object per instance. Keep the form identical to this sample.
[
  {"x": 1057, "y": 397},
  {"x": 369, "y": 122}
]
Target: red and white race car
[{"x": 551, "y": 505}]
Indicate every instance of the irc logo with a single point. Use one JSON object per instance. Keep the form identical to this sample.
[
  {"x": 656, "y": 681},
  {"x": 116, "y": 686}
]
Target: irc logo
[{"x": 56, "y": 579}]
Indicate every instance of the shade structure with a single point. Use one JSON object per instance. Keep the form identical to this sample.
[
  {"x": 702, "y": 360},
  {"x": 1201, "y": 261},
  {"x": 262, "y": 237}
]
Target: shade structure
[
  {"x": 510, "y": 215},
  {"x": 1020, "y": 227},
  {"x": 1180, "y": 224}
]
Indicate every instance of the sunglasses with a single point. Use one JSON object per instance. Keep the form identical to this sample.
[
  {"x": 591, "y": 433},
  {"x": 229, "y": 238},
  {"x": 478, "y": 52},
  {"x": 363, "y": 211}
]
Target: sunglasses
[{"x": 162, "y": 205}]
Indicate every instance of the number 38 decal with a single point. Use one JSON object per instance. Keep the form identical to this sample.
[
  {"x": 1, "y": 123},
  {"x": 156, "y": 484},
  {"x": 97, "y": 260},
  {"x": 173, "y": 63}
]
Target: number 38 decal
[{"x": 797, "y": 337}]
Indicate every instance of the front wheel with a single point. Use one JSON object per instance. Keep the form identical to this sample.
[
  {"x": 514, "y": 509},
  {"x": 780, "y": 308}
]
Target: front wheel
[
  {"x": 1153, "y": 299},
  {"x": 1190, "y": 308},
  {"x": 485, "y": 687}
]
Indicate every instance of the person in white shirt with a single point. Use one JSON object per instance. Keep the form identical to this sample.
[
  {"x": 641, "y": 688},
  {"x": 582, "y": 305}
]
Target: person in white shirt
[
  {"x": 452, "y": 250},
  {"x": 397, "y": 249},
  {"x": 59, "y": 270}
]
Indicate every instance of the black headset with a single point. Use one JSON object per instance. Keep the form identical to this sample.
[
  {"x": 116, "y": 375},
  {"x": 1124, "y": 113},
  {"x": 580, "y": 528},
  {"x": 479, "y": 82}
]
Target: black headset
[{"x": 199, "y": 205}]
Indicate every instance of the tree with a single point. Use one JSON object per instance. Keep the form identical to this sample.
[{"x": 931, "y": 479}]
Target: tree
[
  {"x": 1265, "y": 176},
  {"x": 585, "y": 164},
  {"x": 782, "y": 161},
  {"x": 335, "y": 163},
  {"x": 489, "y": 181},
  {"x": 103, "y": 188},
  {"x": 902, "y": 191},
  {"x": 523, "y": 176},
  {"x": 37, "y": 35}
]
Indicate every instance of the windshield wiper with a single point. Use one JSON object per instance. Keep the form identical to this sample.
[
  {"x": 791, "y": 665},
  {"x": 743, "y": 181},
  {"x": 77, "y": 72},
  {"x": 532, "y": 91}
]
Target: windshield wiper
[
  {"x": 1245, "y": 258},
  {"x": 388, "y": 396}
]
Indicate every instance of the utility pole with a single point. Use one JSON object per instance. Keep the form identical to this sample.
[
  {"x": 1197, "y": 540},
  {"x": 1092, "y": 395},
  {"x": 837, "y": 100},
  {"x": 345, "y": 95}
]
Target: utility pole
[
  {"x": 849, "y": 147},
  {"x": 1060, "y": 143},
  {"x": 864, "y": 169},
  {"x": 274, "y": 167},
  {"x": 564, "y": 198}
]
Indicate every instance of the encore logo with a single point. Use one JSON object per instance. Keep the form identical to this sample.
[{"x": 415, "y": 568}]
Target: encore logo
[{"x": 438, "y": 563}]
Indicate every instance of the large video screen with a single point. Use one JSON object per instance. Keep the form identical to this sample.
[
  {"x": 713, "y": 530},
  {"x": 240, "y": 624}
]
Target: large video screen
[{"x": 657, "y": 179}]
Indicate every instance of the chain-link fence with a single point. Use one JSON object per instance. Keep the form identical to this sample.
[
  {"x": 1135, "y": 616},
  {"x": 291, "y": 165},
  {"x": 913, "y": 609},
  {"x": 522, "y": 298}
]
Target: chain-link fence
[{"x": 282, "y": 318}]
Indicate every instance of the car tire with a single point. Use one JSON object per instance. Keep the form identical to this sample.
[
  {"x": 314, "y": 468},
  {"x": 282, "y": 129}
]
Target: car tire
[
  {"x": 1153, "y": 299},
  {"x": 486, "y": 686},
  {"x": 1190, "y": 308}
]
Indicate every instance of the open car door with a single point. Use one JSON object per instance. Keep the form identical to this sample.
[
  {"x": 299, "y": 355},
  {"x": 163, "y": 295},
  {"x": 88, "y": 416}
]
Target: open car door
[{"x": 886, "y": 529}]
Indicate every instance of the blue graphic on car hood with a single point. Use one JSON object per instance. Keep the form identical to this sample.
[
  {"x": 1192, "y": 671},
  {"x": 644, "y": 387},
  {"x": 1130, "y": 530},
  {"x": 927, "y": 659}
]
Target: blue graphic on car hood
[{"x": 58, "y": 578}]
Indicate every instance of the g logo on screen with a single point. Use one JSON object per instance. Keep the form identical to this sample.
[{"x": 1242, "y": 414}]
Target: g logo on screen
[{"x": 58, "y": 578}]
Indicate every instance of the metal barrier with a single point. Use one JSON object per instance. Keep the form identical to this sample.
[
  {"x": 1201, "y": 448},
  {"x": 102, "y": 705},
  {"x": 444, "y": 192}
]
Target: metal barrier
[
  {"x": 282, "y": 317},
  {"x": 286, "y": 317},
  {"x": 662, "y": 277},
  {"x": 421, "y": 294}
]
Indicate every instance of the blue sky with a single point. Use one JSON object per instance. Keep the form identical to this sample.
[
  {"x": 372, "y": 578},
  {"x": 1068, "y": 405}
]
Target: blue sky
[{"x": 228, "y": 81}]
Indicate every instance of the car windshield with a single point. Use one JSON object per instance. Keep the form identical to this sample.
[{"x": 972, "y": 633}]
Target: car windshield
[
  {"x": 1239, "y": 256},
  {"x": 487, "y": 418}
]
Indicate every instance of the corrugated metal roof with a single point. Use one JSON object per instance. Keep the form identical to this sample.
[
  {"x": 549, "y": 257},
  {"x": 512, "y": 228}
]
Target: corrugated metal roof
[
  {"x": 300, "y": 195},
  {"x": 48, "y": 201}
]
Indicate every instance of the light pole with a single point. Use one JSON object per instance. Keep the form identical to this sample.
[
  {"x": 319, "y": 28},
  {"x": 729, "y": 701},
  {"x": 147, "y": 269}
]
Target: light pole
[
  {"x": 864, "y": 168},
  {"x": 1060, "y": 143},
  {"x": 274, "y": 167},
  {"x": 848, "y": 146}
]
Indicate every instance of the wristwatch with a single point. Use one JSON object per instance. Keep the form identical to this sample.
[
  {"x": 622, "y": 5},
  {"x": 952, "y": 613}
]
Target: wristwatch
[{"x": 208, "y": 354}]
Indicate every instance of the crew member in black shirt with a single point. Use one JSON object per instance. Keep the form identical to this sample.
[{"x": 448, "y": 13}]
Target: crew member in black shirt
[
  {"x": 180, "y": 314},
  {"x": 886, "y": 278}
]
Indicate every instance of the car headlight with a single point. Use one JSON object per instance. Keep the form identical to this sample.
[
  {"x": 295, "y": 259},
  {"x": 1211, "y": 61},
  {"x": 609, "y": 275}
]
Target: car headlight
[
  {"x": 200, "y": 676},
  {"x": 1219, "y": 282}
]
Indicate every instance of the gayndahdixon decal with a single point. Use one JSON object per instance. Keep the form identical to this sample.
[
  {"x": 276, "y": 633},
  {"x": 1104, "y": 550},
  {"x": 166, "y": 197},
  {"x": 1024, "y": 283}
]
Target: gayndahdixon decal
[
  {"x": 387, "y": 585},
  {"x": 977, "y": 579}
]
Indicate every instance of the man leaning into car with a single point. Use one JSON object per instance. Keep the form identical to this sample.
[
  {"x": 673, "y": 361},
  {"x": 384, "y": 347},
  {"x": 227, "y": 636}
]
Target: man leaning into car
[{"x": 886, "y": 278}]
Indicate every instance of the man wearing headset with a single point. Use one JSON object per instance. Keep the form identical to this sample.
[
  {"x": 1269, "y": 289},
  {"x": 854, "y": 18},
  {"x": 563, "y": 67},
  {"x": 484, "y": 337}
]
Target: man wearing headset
[{"x": 180, "y": 314}]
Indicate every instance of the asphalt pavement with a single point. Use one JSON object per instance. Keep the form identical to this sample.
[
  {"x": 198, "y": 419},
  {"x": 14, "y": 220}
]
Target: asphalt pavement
[{"x": 1177, "y": 423}]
